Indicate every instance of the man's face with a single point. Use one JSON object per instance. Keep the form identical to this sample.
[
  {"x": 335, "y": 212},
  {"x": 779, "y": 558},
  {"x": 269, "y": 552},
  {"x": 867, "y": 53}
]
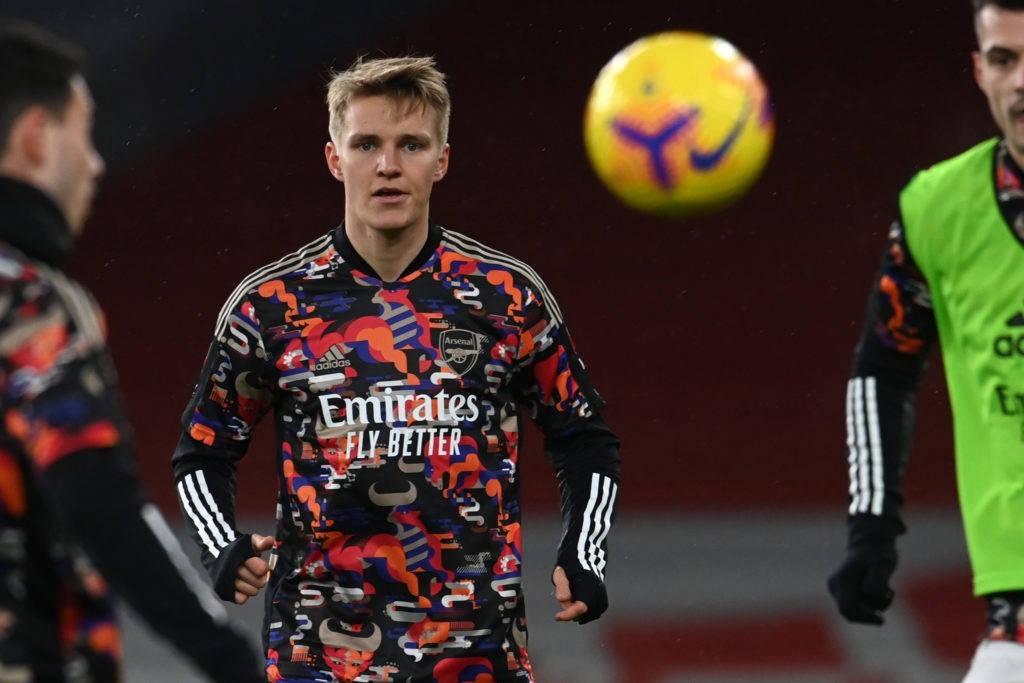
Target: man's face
[
  {"x": 389, "y": 158},
  {"x": 73, "y": 165},
  {"x": 999, "y": 71}
]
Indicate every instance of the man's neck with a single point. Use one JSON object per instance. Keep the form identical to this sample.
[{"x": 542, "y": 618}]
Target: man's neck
[{"x": 388, "y": 252}]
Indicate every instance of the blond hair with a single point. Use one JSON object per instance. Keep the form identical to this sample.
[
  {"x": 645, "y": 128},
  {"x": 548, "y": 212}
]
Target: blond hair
[{"x": 412, "y": 82}]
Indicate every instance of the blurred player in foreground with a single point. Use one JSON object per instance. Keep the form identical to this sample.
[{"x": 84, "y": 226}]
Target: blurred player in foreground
[
  {"x": 396, "y": 355},
  {"x": 67, "y": 481},
  {"x": 953, "y": 271}
]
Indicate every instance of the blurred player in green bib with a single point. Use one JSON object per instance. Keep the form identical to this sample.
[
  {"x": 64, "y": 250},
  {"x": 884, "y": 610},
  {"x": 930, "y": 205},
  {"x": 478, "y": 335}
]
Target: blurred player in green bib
[{"x": 953, "y": 272}]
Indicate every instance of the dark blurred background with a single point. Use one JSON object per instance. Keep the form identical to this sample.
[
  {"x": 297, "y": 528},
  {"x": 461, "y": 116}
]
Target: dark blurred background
[{"x": 722, "y": 344}]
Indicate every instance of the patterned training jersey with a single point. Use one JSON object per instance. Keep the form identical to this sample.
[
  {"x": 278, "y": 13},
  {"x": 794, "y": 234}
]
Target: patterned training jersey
[
  {"x": 73, "y": 517},
  {"x": 56, "y": 618},
  {"x": 396, "y": 406}
]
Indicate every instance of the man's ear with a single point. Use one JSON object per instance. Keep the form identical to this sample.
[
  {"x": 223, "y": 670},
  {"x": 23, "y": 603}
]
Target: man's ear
[
  {"x": 28, "y": 145},
  {"x": 442, "y": 162},
  {"x": 333, "y": 162}
]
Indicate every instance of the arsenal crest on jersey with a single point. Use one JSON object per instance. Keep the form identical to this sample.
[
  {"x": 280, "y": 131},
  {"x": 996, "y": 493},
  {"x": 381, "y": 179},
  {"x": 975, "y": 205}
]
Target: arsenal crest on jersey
[{"x": 459, "y": 349}]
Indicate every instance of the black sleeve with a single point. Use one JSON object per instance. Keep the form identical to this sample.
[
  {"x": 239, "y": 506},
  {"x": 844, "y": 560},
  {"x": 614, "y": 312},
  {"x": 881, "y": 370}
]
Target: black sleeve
[
  {"x": 232, "y": 395},
  {"x": 889, "y": 363},
  {"x": 588, "y": 470},
  {"x": 126, "y": 537},
  {"x": 206, "y": 495},
  {"x": 556, "y": 389}
]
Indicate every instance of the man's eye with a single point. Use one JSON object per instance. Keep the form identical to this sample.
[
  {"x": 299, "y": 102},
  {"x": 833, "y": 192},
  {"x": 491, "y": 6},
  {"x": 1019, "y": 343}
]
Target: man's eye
[{"x": 413, "y": 146}]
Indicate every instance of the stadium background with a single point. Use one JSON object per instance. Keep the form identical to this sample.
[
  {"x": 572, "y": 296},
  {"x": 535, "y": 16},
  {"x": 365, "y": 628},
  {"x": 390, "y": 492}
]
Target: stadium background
[{"x": 722, "y": 344}]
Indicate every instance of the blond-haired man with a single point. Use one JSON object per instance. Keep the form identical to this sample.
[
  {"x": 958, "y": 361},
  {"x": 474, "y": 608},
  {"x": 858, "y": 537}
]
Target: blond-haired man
[{"x": 396, "y": 355}]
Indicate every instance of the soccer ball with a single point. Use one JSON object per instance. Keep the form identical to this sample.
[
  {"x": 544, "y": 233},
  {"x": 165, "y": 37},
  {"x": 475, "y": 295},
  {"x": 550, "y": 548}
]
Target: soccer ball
[{"x": 678, "y": 124}]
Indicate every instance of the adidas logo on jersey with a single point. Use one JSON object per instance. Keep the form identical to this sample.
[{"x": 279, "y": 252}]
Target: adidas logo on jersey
[
  {"x": 1011, "y": 344},
  {"x": 334, "y": 359}
]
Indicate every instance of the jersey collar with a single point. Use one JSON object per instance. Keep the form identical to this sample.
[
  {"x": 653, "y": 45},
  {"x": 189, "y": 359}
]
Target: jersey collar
[
  {"x": 33, "y": 223},
  {"x": 349, "y": 254}
]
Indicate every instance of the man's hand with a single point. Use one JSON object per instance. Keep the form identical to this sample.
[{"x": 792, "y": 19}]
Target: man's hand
[
  {"x": 583, "y": 598},
  {"x": 254, "y": 573},
  {"x": 860, "y": 586}
]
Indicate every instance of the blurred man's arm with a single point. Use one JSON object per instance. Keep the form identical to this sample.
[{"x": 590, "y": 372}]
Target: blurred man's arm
[
  {"x": 62, "y": 406},
  {"x": 889, "y": 363},
  {"x": 138, "y": 555}
]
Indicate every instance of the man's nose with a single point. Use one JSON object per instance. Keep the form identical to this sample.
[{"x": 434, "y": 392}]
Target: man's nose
[
  {"x": 387, "y": 162},
  {"x": 1018, "y": 76},
  {"x": 96, "y": 164}
]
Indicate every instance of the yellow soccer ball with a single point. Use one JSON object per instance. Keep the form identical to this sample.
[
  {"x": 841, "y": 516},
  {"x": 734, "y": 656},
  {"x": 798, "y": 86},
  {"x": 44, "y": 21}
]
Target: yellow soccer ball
[{"x": 679, "y": 124}]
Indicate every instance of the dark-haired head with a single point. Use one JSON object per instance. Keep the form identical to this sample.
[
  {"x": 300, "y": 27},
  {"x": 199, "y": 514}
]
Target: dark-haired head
[
  {"x": 46, "y": 115},
  {"x": 36, "y": 68}
]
